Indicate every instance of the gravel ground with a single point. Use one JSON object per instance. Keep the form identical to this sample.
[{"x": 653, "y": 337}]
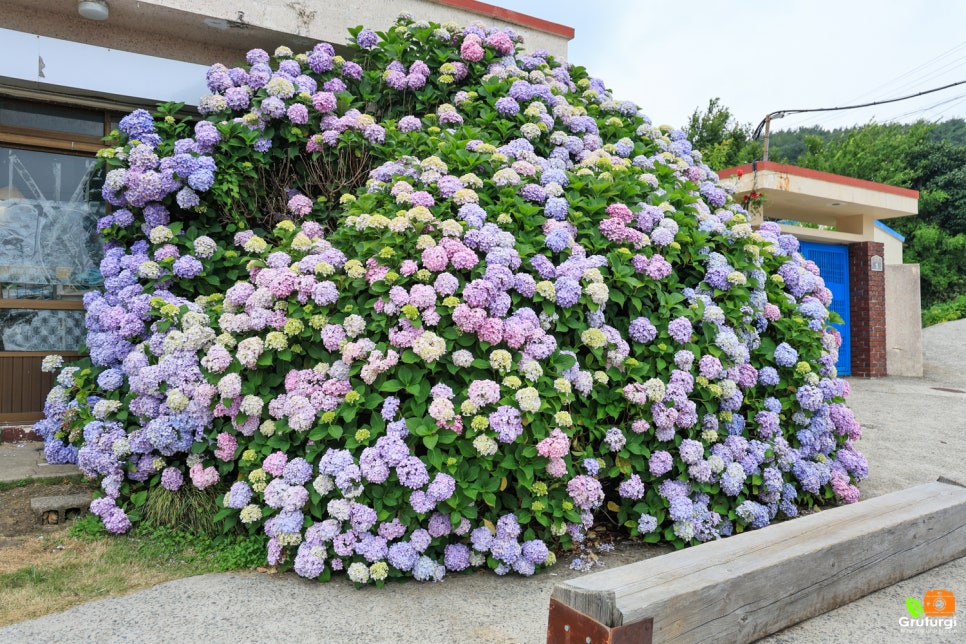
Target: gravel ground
[{"x": 913, "y": 435}]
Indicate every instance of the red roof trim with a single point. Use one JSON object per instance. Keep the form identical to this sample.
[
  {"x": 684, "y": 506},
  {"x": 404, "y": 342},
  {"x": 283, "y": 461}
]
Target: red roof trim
[
  {"x": 772, "y": 166},
  {"x": 512, "y": 16}
]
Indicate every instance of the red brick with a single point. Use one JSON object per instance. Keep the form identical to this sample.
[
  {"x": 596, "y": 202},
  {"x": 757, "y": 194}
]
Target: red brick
[{"x": 867, "y": 326}]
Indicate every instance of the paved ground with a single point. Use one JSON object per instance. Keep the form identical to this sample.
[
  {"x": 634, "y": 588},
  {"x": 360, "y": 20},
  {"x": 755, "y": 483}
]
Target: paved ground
[
  {"x": 914, "y": 433},
  {"x": 19, "y": 461}
]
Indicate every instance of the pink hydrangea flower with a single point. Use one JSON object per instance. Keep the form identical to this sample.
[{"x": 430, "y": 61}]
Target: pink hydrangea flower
[
  {"x": 226, "y": 447},
  {"x": 300, "y": 205},
  {"x": 556, "y": 445},
  {"x": 203, "y": 477},
  {"x": 471, "y": 49}
]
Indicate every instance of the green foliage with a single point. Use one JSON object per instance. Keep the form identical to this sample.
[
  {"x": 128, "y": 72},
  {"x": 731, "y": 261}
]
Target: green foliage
[
  {"x": 615, "y": 309},
  {"x": 199, "y": 552},
  {"x": 945, "y": 311},
  {"x": 183, "y": 544},
  {"x": 875, "y": 152},
  {"x": 723, "y": 141},
  {"x": 87, "y": 528},
  {"x": 942, "y": 260},
  {"x": 952, "y": 131},
  {"x": 940, "y": 178},
  {"x": 787, "y": 146}
]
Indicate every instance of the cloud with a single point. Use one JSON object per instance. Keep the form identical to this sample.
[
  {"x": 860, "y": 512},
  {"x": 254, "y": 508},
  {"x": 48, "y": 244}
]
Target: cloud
[{"x": 760, "y": 56}]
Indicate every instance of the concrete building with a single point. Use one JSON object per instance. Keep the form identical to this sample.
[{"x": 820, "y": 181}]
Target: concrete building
[
  {"x": 69, "y": 70},
  {"x": 838, "y": 221}
]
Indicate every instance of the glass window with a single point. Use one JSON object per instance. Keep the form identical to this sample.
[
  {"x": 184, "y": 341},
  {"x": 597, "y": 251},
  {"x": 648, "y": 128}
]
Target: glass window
[
  {"x": 41, "y": 330},
  {"x": 49, "y": 207},
  {"x": 42, "y": 116}
]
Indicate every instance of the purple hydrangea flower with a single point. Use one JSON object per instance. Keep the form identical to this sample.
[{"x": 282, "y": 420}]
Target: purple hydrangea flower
[
  {"x": 785, "y": 355},
  {"x": 680, "y": 330}
]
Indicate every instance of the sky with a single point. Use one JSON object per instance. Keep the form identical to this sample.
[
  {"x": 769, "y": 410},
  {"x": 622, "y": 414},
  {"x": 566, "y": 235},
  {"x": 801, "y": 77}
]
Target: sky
[{"x": 762, "y": 56}]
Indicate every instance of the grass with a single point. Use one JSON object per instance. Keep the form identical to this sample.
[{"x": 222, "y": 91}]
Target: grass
[
  {"x": 51, "y": 480},
  {"x": 52, "y": 573}
]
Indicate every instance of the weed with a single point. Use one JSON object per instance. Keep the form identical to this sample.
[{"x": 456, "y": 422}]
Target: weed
[
  {"x": 87, "y": 528},
  {"x": 56, "y": 480}
]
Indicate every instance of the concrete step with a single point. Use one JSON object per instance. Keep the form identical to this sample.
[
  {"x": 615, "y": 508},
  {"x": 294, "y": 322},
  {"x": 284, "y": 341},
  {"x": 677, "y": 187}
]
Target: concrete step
[{"x": 54, "y": 510}]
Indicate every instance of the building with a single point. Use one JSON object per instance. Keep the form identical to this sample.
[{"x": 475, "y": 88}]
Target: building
[
  {"x": 70, "y": 70},
  {"x": 838, "y": 221}
]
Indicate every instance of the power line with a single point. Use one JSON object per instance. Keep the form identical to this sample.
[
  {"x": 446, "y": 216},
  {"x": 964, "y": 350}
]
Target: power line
[
  {"x": 782, "y": 113},
  {"x": 936, "y": 72},
  {"x": 946, "y": 109},
  {"x": 901, "y": 80},
  {"x": 930, "y": 108},
  {"x": 922, "y": 67}
]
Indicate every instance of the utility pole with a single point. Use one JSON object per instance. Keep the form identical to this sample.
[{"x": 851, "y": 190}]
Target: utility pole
[{"x": 767, "y": 127}]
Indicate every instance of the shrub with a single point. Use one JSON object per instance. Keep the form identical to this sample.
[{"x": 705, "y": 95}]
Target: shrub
[
  {"x": 434, "y": 308},
  {"x": 944, "y": 312}
]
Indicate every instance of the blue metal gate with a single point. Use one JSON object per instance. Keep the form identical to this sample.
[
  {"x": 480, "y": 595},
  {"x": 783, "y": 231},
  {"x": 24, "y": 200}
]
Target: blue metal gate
[{"x": 833, "y": 262}]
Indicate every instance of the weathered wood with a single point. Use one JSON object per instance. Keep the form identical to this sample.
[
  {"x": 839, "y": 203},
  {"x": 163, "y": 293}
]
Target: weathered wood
[
  {"x": 759, "y": 582},
  {"x": 24, "y": 386}
]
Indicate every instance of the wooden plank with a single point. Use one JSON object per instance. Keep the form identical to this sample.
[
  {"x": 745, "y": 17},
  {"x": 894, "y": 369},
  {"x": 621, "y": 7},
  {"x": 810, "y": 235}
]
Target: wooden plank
[
  {"x": 69, "y": 356},
  {"x": 6, "y": 394},
  {"x": 33, "y": 398},
  {"x": 23, "y": 384},
  {"x": 71, "y": 144},
  {"x": 730, "y": 590},
  {"x": 16, "y": 384},
  {"x": 51, "y": 305}
]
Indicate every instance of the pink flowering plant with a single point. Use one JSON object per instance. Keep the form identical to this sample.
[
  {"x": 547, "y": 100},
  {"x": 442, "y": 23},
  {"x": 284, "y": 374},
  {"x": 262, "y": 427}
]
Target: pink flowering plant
[{"x": 438, "y": 307}]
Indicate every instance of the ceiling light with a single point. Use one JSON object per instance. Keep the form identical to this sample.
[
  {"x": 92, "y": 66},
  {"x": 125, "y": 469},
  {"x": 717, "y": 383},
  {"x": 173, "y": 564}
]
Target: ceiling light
[{"x": 93, "y": 9}]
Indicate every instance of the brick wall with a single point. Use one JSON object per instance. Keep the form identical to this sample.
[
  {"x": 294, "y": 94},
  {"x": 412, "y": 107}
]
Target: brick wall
[{"x": 868, "y": 323}]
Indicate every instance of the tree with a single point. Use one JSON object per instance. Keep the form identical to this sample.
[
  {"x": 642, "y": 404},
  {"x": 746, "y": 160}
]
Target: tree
[
  {"x": 786, "y": 146},
  {"x": 942, "y": 262},
  {"x": 952, "y": 131},
  {"x": 723, "y": 141},
  {"x": 875, "y": 152},
  {"x": 940, "y": 178}
]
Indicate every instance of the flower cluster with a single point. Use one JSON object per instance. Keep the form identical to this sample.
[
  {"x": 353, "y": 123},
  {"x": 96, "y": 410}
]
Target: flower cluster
[{"x": 465, "y": 322}]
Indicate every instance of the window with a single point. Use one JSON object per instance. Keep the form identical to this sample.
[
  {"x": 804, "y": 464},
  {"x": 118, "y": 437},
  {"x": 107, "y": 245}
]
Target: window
[{"x": 50, "y": 202}]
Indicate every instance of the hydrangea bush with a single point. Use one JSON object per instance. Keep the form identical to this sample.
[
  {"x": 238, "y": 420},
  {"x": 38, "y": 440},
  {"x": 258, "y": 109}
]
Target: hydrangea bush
[{"x": 440, "y": 306}]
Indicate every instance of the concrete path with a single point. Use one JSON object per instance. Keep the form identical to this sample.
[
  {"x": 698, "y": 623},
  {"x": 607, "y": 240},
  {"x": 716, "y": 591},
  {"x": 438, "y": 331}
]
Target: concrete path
[
  {"x": 19, "y": 461},
  {"x": 914, "y": 432}
]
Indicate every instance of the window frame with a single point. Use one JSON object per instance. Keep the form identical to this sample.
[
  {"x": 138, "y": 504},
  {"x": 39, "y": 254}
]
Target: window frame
[{"x": 51, "y": 141}]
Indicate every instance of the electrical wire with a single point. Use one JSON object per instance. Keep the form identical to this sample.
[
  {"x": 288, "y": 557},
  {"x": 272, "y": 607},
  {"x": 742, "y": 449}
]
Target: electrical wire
[
  {"x": 935, "y": 73},
  {"x": 782, "y": 113},
  {"x": 947, "y": 108},
  {"x": 924, "y": 66},
  {"x": 918, "y": 81},
  {"x": 927, "y": 109}
]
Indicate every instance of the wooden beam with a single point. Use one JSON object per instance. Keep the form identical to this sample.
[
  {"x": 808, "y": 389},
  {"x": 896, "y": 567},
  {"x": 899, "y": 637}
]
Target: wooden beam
[{"x": 751, "y": 585}]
